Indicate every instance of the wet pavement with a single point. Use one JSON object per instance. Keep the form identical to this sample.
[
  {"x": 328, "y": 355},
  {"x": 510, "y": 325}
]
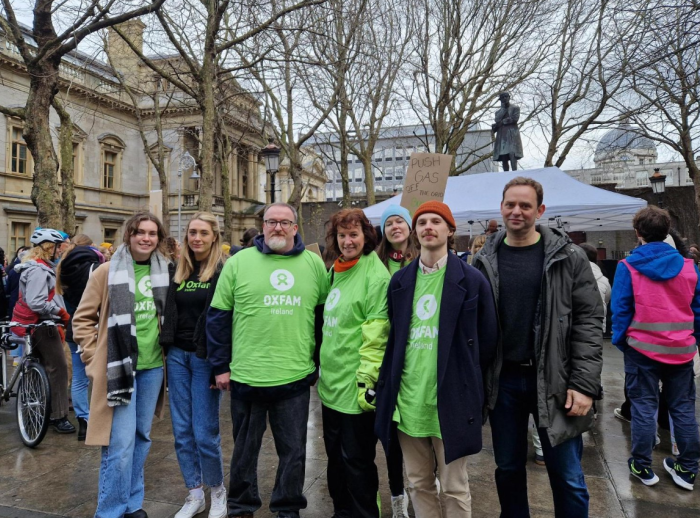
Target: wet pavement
[{"x": 59, "y": 478}]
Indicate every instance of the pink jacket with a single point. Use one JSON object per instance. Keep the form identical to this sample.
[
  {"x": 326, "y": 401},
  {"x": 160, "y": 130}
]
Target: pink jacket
[{"x": 662, "y": 327}]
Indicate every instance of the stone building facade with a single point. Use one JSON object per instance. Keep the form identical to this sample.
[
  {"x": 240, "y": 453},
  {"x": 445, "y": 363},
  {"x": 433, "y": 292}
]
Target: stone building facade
[{"x": 113, "y": 175}]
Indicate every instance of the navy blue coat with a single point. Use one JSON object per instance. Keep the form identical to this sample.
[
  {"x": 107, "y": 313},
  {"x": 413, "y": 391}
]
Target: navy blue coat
[{"x": 467, "y": 337}]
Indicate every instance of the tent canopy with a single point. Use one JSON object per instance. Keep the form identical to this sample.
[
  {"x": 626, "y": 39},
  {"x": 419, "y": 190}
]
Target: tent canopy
[{"x": 474, "y": 199}]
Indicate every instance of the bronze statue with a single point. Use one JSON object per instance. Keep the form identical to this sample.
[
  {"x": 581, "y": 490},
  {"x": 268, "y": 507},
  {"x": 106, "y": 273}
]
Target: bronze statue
[{"x": 508, "y": 147}]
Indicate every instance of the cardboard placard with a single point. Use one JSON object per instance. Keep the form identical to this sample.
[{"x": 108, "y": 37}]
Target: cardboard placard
[
  {"x": 425, "y": 180},
  {"x": 313, "y": 247},
  {"x": 155, "y": 203}
]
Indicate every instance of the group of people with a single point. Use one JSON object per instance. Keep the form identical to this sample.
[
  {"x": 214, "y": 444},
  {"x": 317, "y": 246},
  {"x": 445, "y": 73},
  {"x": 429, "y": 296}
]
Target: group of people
[{"x": 407, "y": 345}]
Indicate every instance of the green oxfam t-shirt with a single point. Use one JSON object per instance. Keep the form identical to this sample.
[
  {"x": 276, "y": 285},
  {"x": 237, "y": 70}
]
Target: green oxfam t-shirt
[
  {"x": 358, "y": 295},
  {"x": 394, "y": 266},
  {"x": 273, "y": 298},
  {"x": 416, "y": 405},
  {"x": 150, "y": 355}
]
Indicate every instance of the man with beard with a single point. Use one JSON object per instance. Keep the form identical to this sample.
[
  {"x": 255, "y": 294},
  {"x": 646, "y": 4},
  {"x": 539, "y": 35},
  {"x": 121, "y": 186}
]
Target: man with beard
[
  {"x": 443, "y": 333},
  {"x": 261, "y": 339}
]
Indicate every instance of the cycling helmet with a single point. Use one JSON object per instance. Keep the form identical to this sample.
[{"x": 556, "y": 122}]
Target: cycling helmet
[{"x": 43, "y": 235}]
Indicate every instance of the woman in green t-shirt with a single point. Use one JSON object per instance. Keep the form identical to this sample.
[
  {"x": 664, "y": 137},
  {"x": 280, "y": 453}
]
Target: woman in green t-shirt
[
  {"x": 396, "y": 248},
  {"x": 355, "y": 331},
  {"x": 117, "y": 326}
]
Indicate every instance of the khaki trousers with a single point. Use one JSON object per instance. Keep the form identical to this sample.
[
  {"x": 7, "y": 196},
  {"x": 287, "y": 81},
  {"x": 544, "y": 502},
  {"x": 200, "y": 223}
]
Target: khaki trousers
[{"x": 420, "y": 455}]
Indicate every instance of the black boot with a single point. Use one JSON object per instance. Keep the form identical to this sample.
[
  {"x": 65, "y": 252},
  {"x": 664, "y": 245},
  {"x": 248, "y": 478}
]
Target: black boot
[
  {"x": 82, "y": 428},
  {"x": 136, "y": 514},
  {"x": 62, "y": 425}
]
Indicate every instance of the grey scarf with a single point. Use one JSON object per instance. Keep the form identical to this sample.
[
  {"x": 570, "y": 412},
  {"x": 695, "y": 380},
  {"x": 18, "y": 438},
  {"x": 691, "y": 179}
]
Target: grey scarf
[{"x": 122, "y": 347}]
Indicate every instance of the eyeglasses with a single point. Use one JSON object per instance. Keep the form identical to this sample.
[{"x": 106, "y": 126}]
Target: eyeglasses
[{"x": 272, "y": 223}]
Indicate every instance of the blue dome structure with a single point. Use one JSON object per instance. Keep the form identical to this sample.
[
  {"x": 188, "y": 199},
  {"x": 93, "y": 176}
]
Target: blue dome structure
[{"x": 621, "y": 140}]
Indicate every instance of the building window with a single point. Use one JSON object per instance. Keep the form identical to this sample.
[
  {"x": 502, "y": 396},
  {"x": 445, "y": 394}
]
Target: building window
[
  {"x": 19, "y": 235},
  {"x": 19, "y": 163},
  {"x": 641, "y": 161},
  {"x": 109, "y": 235},
  {"x": 112, "y": 153},
  {"x": 108, "y": 167}
]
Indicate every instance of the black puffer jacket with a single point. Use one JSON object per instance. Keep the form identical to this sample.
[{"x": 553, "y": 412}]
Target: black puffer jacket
[
  {"x": 168, "y": 330},
  {"x": 76, "y": 268},
  {"x": 568, "y": 333}
]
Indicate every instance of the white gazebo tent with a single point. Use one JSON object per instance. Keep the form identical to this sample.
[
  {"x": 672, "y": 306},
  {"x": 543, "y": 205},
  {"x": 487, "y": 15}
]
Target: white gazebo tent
[{"x": 475, "y": 199}]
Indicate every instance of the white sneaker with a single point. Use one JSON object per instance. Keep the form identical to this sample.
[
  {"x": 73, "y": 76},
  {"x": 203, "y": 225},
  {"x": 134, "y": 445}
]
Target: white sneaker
[
  {"x": 192, "y": 507},
  {"x": 674, "y": 449},
  {"x": 399, "y": 506},
  {"x": 219, "y": 504}
]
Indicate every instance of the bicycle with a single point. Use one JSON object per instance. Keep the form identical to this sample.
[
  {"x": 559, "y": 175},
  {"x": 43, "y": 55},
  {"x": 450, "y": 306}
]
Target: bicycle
[{"x": 33, "y": 390}]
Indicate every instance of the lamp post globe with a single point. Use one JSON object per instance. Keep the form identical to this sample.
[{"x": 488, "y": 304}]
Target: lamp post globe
[{"x": 271, "y": 154}]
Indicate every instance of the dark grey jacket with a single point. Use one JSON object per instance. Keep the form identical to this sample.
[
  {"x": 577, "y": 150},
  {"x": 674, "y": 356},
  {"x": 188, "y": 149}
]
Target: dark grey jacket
[{"x": 568, "y": 332}]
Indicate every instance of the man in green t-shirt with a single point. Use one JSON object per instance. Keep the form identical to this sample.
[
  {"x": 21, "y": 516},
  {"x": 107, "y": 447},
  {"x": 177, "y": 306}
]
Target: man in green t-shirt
[
  {"x": 262, "y": 326},
  {"x": 443, "y": 334}
]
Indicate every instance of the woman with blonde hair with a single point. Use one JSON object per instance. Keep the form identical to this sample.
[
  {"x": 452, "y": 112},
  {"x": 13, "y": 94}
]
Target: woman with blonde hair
[
  {"x": 37, "y": 303},
  {"x": 194, "y": 404},
  {"x": 117, "y": 328}
]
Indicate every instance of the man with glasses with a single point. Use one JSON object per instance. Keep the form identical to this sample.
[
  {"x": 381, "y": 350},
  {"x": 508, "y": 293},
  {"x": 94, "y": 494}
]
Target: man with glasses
[{"x": 261, "y": 338}]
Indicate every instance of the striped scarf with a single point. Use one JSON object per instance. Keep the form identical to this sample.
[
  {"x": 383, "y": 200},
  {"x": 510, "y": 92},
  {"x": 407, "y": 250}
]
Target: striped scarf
[{"x": 122, "y": 347}]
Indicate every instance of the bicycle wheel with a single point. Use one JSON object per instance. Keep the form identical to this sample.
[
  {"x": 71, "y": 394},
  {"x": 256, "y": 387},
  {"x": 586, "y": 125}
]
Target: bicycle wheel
[{"x": 33, "y": 404}]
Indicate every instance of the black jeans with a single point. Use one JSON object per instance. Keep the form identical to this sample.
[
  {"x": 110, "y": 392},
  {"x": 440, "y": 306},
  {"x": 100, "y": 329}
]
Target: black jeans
[
  {"x": 351, "y": 446},
  {"x": 394, "y": 464},
  {"x": 288, "y": 420}
]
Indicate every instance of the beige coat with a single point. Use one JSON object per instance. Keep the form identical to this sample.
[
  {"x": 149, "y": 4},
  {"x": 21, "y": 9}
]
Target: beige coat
[{"x": 91, "y": 316}]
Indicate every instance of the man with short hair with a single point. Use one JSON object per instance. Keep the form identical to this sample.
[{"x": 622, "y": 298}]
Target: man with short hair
[
  {"x": 656, "y": 324},
  {"x": 263, "y": 328},
  {"x": 443, "y": 333},
  {"x": 492, "y": 227},
  {"x": 550, "y": 352}
]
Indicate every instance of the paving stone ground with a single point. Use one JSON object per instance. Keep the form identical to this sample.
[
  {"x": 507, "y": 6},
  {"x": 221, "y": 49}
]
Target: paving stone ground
[{"x": 60, "y": 477}]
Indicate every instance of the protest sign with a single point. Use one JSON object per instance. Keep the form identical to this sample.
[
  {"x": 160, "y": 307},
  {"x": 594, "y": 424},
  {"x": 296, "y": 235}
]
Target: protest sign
[
  {"x": 425, "y": 180},
  {"x": 313, "y": 247}
]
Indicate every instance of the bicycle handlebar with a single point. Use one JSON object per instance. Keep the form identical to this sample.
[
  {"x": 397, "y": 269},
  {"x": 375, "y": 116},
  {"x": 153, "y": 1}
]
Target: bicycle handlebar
[{"x": 43, "y": 323}]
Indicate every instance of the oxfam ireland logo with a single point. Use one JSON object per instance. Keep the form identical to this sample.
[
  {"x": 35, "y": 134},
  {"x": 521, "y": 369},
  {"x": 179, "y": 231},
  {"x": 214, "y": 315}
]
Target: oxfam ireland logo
[
  {"x": 426, "y": 307},
  {"x": 282, "y": 280},
  {"x": 145, "y": 286},
  {"x": 333, "y": 299}
]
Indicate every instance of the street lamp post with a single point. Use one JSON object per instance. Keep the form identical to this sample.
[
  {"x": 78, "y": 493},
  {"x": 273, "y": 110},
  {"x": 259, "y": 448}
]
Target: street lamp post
[
  {"x": 186, "y": 162},
  {"x": 658, "y": 185},
  {"x": 271, "y": 154}
]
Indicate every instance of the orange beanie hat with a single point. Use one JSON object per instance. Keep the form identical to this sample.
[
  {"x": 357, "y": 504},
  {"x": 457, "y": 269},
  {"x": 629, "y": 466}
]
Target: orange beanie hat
[{"x": 435, "y": 207}]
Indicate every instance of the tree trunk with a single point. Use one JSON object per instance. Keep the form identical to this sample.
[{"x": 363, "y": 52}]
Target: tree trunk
[
  {"x": 65, "y": 145},
  {"x": 43, "y": 86},
  {"x": 224, "y": 156},
  {"x": 369, "y": 181}
]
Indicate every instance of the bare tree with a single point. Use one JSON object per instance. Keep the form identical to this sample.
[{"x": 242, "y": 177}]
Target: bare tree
[
  {"x": 665, "y": 103},
  {"x": 466, "y": 53},
  {"x": 42, "y": 58},
  {"x": 364, "y": 60},
  {"x": 202, "y": 34},
  {"x": 581, "y": 76},
  {"x": 281, "y": 62}
]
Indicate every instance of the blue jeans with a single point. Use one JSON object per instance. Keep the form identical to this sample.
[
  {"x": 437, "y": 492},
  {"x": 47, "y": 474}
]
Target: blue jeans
[
  {"x": 288, "y": 421},
  {"x": 642, "y": 376},
  {"x": 194, "y": 410},
  {"x": 121, "y": 486},
  {"x": 79, "y": 384},
  {"x": 517, "y": 399}
]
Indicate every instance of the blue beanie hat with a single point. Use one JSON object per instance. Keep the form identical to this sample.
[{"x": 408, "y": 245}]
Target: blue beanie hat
[{"x": 396, "y": 210}]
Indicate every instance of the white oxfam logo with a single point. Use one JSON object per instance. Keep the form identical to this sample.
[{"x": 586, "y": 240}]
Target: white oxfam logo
[
  {"x": 426, "y": 307},
  {"x": 333, "y": 299},
  {"x": 282, "y": 280},
  {"x": 145, "y": 286}
]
